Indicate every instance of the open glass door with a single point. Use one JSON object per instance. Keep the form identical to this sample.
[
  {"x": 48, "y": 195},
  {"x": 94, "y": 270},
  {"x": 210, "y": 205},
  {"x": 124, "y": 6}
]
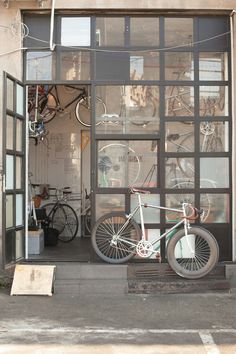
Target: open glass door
[{"x": 13, "y": 170}]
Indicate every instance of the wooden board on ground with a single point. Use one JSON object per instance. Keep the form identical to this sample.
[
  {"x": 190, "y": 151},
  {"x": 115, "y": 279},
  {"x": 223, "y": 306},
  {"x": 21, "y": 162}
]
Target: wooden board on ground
[{"x": 33, "y": 280}]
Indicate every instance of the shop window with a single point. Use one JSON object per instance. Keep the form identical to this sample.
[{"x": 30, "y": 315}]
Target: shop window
[
  {"x": 175, "y": 201},
  {"x": 179, "y": 101},
  {"x": 10, "y": 94},
  {"x": 178, "y": 31},
  {"x": 144, "y": 66},
  {"x": 39, "y": 31},
  {"x": 213, "y": 100},
  {"x": 218, "y": 207},
  {"x": 179, "y": 172},
  {"x": 106, "y": 203},
  {"x": 40, "y": 66},
  {"x": 9, "y": 172},
  {"x": 213, "y": 33},
  {"x": 75, "y": 31},
  {"x": 110, "y": 31},
  {"x": 151, "y": 215},
  {"x": 179, "y": 137},
  {"x": 112, "y": 66},
  {"x": 9, "y": 133},
  {"x": 215, "y": 170},
  {"x": 121, "y": 164},
  {"x": 179, "y": 66},
  {"x": 213, "y": 66},
  {"x": 214, "y": 136},
  {"x": 75, "y": 65},
  {"x": 128, "y": 109},
  {"x": 9, "y": 211},
  {"x": 19, "y": 134},
  {"x": 144, "y": 31}
]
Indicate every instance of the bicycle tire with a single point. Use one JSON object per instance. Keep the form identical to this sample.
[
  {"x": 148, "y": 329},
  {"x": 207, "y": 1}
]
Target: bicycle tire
[
  {"x": 87, "y": 222},
  {"x": 82, "y": 108},
  {"x": 204, "y": 256},
  {"x": 65, "y": 220},
  {"x": 46, "y": 111},
  {"x": 105, "y": 232}
]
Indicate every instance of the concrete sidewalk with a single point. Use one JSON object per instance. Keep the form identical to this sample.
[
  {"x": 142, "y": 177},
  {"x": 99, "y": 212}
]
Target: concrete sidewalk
[{"x": 118, "y": 324}]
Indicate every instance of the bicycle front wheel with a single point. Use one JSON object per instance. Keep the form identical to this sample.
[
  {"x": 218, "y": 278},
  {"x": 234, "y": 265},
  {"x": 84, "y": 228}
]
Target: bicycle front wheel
[
  {"x": 114, "y": 239},
  {"x": 193, "y": 256},
  {"x": 65, "y": 220},
  {"x": 83, "y": 110}
]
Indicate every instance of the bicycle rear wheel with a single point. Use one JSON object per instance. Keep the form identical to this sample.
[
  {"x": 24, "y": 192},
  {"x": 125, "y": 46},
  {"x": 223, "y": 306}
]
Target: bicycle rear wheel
[
  {"x": 65, "y": 220},
  {"x": 83, "y": 110},
  {"x": 193, "y": 256},
  {"x": 113, "y": 240}
]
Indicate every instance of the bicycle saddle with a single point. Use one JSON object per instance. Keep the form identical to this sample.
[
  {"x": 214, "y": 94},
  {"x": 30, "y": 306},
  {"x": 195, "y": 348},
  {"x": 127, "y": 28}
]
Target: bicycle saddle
[{"x": 141, "y": 191}]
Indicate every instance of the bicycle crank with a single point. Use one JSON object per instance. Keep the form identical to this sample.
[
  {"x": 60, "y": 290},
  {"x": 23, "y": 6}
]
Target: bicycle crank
[{"x": 144, "y": 249}]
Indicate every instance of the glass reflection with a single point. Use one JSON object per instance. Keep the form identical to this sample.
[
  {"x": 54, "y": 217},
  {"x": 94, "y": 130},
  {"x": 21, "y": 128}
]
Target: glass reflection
[
  {"x": 179, "y": 66},
  {"x": 19, "y": 244},
  {"x": 144, "y": 31},
  {"x": 218, "y": 208},
  {"x": 151, "y": 215},
  {"x": 213, "y": 100},
  {"x": 19, "y": 99},
  {"x": 213, "y": 66},
  {"x": 179, "y": 173},
  {"x": 75, "y": 31},
  {"x": 127, "y": 163},
  {"x": 10, "y": 94},
  {"x": 178, "y": 31},
  {"x": 106, "y": 203},
  {"x": 75, "y": 66},
  {"x": 175, "y": 201},
  {"x": 110, "y": 31},
  {"x": 129, "y": 109},
  {"x": 9, "y": 211},
  {"x": 40, "y": 66},
  {"x": 9, "y": 172},
  {"x": 10, "y": 133},
  {"x": 179, "y": 101},
  {"x": 215, "y": 170},
  {"x": 144, "y": 66},
  {"x": 179, "y": 137},
  {"x": 19, "y": 135},
  {"x": 214, "y": 136}
]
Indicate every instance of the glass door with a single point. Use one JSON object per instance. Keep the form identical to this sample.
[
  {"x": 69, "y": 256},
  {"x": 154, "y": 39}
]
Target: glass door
[{"x": 13, "y": 170}]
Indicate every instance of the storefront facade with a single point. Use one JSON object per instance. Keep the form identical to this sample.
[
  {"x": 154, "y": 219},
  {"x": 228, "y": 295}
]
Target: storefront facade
[{"x": 162, "y": 108}]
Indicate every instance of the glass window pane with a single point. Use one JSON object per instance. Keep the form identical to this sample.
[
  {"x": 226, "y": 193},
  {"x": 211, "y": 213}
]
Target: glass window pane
[
  {"x": 175, "y": 201},
  {"x": 106, "y": 203},
  {"x": 179, "y": 101},
  {"x": 179, "y": 66},
  {"x": 18, "y": 172},
  {"x": 179, "y": 137},
  {"x": 110, "y": 31},
  {"x": 10, "y": 133},
  {"x": 151, "y": 215},
  {"x": 19, "y": 135},
  {"x": 19, "y": 244},
  {"x": 10, "y": 246},
  {"x": 213, "y": 66},
  {"x": 75, "y": 31},
  {"x": 178, "y": 31},
  {"x": 218, "y": 207},
  {"x": 19, "y": 209},
  {"x": 112, "y": 66},
  {"x": 19, "y": 99},
  {"x": 144, "y": 66},
  {"x": 213, "y": 100},
  {"x": 127, "y": 109},
  {"x": 9, "y": 172},
  {"x": 214, "y": 136},
  {"x": 127, "y": 163},
  {"x": 144, "y": 31},
  {"x": 75, "y": 66},
  {"x": 40, "y": 66},
  {"x": 215, "y": 171},
  {"x": 10, "y": 94},
  {"x": 9, "y": 211},
  {"x": 179, "y": 173}
]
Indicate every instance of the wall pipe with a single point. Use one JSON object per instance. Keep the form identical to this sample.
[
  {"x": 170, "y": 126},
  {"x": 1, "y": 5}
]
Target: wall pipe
[{"x": 52, "y": 45}]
